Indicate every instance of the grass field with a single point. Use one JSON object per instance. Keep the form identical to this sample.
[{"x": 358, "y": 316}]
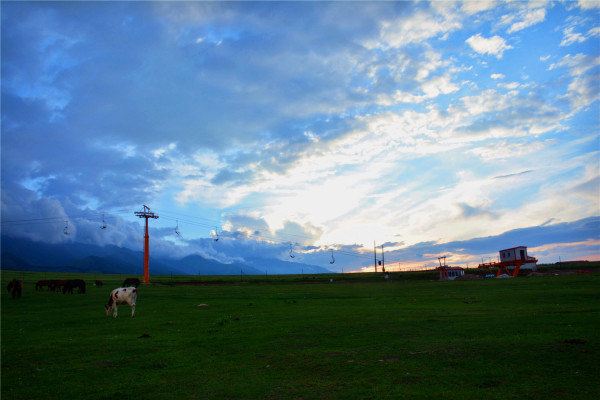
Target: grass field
[{"x": 524, "y": 338}]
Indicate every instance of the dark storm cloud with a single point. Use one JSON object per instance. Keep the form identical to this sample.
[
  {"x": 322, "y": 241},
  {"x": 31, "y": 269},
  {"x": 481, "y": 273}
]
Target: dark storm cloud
[
  {"x": 82, "y": 79},
  {"x": 577, "y": 231}
]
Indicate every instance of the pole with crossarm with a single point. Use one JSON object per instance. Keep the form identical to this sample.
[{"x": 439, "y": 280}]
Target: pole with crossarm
[{"x": 146, "y": 213}]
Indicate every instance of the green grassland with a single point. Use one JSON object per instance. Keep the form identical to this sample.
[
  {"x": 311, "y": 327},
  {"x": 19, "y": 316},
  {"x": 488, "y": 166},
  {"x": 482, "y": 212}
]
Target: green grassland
[{"x": 303, "y": 337}]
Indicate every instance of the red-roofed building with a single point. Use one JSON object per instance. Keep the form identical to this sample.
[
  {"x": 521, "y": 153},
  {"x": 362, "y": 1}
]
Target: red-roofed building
[{"x": 448, "y": 273}]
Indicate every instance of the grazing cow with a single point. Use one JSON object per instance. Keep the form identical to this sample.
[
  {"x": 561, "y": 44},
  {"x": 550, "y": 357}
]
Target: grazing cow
[
  {"x": 57, "y": 284},
  {"x": 98, "y": 283},
  {"x": 42, "y": 283},
  {"x": 72, "y": 284},
  {"x": 122, "y": 295},
  {"x": 15, "y": 287},
  {"x": 135, "y": 282}
]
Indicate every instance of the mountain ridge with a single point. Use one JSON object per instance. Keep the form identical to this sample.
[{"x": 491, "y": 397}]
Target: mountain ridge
[{"x": 25, "y": 254}]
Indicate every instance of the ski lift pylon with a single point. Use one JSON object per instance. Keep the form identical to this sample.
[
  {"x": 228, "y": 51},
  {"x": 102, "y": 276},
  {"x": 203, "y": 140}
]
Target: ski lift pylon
[
  {"x": 177, "y": 228},
  {"x": 215, "y": 234},
  {"x": 332, "y": 258}
]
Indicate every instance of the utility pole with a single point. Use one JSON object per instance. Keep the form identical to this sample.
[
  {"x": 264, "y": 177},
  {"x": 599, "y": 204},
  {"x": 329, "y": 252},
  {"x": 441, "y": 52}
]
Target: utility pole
[
  {"x": 375, "y": 255},
  {"x": 382, "y": 260},
  {"x": 146, "y": 213}
]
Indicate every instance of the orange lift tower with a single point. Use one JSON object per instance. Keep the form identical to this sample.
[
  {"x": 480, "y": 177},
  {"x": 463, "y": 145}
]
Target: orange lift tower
[{"x": 146, "y": 213}]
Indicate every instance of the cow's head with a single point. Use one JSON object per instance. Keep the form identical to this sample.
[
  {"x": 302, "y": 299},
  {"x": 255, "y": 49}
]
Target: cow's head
[{"x": 109, "y": 307}]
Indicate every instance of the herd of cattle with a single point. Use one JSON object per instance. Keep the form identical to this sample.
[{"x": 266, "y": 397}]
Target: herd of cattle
[
  {"x": 15, "y": 286},
  {"x": 123, "y": 295}
]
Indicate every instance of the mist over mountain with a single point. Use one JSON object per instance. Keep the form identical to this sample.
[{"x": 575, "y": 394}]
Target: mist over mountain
[{"x": 25, "y": 254}]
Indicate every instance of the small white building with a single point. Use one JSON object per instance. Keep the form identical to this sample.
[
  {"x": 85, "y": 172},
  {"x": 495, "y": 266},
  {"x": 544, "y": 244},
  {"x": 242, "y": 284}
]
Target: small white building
[
  {"x": 450, "y": 273},
  {"x": 518, "y": 254}
]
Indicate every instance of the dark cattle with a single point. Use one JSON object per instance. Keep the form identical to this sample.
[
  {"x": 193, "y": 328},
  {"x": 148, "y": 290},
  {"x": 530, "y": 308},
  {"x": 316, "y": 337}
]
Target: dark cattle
[
  {"x": 57, "y": 284},
  {"x": 98, "y": 283},
  {"x": 39, "y": 285},
  {"x": 74, "y": 284},
  {"x": 135, "y": 282},
  {"x": 15, "y": 287}
]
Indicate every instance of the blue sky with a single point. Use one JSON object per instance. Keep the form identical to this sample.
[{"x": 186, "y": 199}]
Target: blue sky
[{"x": 326, "y": 125}]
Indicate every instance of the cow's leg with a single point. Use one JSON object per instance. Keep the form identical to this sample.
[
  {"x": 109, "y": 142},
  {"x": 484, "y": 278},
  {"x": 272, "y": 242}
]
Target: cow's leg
[
  {"x": 133, "y": 311},
  {"x": 115, "y": 311}
]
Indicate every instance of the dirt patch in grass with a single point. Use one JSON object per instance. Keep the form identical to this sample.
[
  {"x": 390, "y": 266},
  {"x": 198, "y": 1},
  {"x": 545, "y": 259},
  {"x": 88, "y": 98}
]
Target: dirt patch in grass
[
  {"x": 575, "y": 341},
  {"x": 489, "y": 383}
]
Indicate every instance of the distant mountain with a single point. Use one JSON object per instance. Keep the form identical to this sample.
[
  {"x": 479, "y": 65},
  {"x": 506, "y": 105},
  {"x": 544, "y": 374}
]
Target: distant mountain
[
  {"x": 11, "y": 261},
  {"x": 198, "y": 265},
  {"x": 24, "y": 254},
  {"x": 277, "y": 267}
]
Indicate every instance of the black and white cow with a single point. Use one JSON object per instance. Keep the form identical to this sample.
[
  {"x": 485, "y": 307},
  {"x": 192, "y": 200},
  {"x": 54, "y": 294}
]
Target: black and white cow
[{"x": 122, "y": 295}]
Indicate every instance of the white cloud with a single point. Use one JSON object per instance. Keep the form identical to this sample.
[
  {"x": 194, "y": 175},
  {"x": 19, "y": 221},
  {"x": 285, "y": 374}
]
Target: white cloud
[
  {"x": 311, "y": 136},
  {"x": 505, "y": 150},
  {"x": 161, "y": 151},
  {"x": 416, "y": 28},
  {"x": 510, "y": 85},
  {"x": 471, "y": 7},
  {"x": 588, "y": 4},
  {"x": 438, "y": 85},
  {"x": 494, "y": 45},
  {"x": 431, "y": 89},
  {"x": 127, "y": 150},
  {"x": 531, "y": 17},
  {"x": 577, "y": 64},
  {"x": 497, "y": 76},
  {"x": 570, "y": 37},
  {"x": 523, "y": 15},
  {"x": 432, "y": 62},
  {"x": 583, "y": 91},
  {"x": 336, "y": 186},
  {"x": 545, "y": 58}
]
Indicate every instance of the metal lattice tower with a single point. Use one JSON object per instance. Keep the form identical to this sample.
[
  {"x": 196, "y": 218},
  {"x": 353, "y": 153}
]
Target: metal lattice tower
[{"x": 146, "y": 213}]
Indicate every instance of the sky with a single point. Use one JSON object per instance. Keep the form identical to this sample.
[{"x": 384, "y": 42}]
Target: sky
[{"x": 317, "y": 128}]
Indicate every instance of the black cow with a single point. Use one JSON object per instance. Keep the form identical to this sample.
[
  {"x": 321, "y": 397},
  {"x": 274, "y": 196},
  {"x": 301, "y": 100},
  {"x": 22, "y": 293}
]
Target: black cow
[
  {"x": 57, "y": 285},
  {"x": 135, "y": 282},
  {"x": 15, "y": 287},
  {"x": 39, "y": 285},
  {"x": 72, "y": 284}
]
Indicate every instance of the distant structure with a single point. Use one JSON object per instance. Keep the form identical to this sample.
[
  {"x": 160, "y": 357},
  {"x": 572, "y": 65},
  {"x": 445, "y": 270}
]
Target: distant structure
[
  {"x": 448, "y": 273},
  {"x": 377, "y": 262},
  {"x": 512, "y": 261}
]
